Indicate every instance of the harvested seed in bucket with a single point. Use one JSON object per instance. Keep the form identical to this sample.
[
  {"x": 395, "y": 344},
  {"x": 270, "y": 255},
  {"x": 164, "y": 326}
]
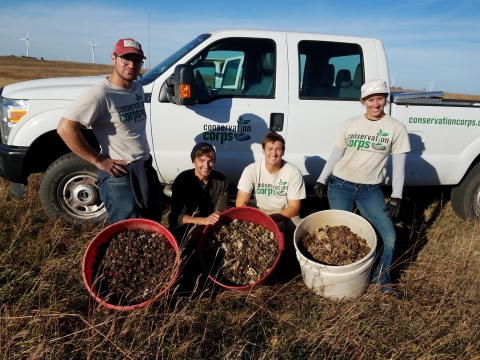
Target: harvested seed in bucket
[
  {"x": 336, "y": 245},
  {"x": 243, "y": 251},
  {"x": 137, "y": 265}
]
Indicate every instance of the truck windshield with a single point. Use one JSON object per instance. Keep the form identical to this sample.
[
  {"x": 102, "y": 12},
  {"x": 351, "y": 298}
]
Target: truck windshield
[{"x": 152, "y": 74}]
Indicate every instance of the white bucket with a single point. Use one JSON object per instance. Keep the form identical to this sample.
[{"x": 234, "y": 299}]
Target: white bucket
[{"x": 338, "y": 282}]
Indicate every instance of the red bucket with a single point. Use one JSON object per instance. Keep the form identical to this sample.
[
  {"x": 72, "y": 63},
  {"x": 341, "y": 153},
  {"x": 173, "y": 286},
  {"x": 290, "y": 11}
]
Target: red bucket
[
  {"x": 243, "y": 213},
  {"x": 107, "y": 234}
]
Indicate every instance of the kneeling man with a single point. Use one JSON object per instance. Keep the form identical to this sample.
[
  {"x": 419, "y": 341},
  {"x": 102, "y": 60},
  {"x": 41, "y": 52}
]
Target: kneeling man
[
  {"x": 200, "y": 194},
  {"x": 277, "y": 185}
]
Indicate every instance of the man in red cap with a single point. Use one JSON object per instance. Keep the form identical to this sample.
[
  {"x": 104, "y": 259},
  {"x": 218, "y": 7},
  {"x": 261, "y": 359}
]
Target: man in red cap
[{"x": 115, "y": 111}]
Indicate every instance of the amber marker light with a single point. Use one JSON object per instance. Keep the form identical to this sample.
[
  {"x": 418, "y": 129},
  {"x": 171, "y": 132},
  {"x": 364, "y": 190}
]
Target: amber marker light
[
  {"x": 184, "y": 91},
  {"x": 17, "y": 115}
]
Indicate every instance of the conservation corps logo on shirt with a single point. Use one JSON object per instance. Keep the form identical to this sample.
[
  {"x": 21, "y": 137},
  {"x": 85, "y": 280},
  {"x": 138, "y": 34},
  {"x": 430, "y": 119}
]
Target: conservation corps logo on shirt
[
  {"x": 365, "y": 142},
  {"x": 270, "y": 189},
  {"x": 133, "y": 112}
]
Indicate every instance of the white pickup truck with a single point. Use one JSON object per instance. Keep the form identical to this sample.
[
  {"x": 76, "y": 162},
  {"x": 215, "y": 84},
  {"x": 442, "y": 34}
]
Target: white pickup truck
[{"x": 244, "y": 83}]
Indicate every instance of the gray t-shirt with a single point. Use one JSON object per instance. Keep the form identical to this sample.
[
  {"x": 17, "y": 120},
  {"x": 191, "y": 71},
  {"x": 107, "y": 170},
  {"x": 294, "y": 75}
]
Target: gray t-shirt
[
  {"x": 117, "y": 117},
  {"x": 272, "y": 191},
  {"x": 368, "y": 144}
]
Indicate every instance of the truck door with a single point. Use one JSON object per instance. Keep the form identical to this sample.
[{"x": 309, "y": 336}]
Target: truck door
[
  {"x": 325, "y": 84},
  {"x": 241, "y": 87}
]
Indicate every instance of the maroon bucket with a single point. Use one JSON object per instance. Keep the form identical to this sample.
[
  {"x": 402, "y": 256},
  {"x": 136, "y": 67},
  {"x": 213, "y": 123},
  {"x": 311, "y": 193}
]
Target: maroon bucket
[
  {"x": 243, "y": 213},
  {"x": 107, "y": 234}
]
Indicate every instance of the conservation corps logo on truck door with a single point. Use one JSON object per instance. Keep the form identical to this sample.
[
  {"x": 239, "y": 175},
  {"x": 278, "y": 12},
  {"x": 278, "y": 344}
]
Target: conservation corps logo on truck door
[{"x": 224, "y": 133}]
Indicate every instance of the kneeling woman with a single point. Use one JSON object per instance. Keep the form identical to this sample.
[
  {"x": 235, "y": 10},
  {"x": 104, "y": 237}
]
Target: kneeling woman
[{"x": 356, "y": 168}]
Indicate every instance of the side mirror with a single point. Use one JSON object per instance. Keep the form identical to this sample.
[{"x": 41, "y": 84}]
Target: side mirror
[
  {"x": 179, "y": 89},
  {"x": 184, "y": 85},
  {"x": 167, "y": 91}
]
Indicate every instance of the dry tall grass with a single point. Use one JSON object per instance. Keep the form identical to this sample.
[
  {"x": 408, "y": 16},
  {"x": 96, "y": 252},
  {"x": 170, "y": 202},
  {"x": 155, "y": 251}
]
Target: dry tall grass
[
  {"x": 47, "y": 313},
  {"x": 15, "y": 69}
]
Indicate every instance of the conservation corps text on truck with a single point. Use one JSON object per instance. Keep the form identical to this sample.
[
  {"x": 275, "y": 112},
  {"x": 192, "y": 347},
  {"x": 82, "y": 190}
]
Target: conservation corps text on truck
[{"x": 243, "y": 83}]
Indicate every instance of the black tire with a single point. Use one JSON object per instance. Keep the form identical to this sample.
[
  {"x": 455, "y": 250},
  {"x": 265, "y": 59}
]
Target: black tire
[
  {"x": 466, "y": 196},
  {"x": 69, "y": 191}
]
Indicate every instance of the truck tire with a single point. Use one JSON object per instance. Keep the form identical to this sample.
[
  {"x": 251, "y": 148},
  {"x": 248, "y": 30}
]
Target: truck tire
[
  {"x": 466, "y": 196},
  {"x": 69, "y": 191}
]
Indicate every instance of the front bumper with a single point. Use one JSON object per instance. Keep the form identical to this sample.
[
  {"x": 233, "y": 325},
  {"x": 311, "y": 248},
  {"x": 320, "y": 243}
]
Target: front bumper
[{"x": 12, "y": 159}]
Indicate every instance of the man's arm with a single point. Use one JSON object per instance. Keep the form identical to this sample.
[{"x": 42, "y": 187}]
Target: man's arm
[
  {"x": 242, "y": 198},
  {"x": 209, "y": 220},
  {"x": 222, "y": 199},
  {"x": 292, "y": 210},
  {"x": 70, "y": 133}
]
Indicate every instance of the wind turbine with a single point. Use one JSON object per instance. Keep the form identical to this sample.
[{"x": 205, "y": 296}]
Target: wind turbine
[
  {"x": 431, "y": 85},
  {"x": 392, "y": 80},
  {"x": 26, "y": 41},
  {"x": 93, "y": 50}
]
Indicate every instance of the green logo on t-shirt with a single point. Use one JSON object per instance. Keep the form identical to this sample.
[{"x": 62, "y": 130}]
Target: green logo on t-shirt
[
  {"x": 283, "y": 186},
  {"x": 378, "y": 145},
  {"x": 270, "y": 189},
  {"x": 132, "y": 112},
  {"x": 364, "y": 141}
]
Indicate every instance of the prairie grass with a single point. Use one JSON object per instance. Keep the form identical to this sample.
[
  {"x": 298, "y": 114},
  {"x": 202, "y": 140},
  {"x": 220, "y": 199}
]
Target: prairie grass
[
  {"x": 47, "y": 313},
  {"x": 15, "y": 69}
]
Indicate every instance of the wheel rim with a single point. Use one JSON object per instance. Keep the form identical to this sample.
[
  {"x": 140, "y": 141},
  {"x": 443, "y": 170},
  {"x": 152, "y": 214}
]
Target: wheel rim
[{"x": 78, "y": 195}]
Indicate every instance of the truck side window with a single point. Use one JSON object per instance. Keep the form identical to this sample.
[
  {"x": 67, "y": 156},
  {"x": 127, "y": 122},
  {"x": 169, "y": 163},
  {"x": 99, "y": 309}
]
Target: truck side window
[
  {"x": 330, "y": 70},
  {"x": 235, "y": 67}
]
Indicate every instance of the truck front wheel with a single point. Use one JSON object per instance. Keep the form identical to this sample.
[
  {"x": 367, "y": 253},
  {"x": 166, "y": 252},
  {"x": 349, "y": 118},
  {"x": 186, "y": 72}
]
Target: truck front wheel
[
  {"x": 69, "y": 191},
  {"x": 466, "y": 196}
]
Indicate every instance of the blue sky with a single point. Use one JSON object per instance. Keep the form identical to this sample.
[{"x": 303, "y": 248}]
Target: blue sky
[{"x": 426, "y": 40}]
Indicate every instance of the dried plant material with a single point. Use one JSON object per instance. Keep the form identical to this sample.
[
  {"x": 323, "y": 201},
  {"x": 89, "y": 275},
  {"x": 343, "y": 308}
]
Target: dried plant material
[
  {"x": 336, "y": 245},
  {"x": 138, "y": 264},
  {"x": 243, "y": 251}
]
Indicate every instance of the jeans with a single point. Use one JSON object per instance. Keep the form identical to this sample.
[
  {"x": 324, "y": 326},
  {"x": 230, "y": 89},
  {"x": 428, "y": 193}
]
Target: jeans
[
  {"x": 370, "y": 201},
  {"x": 116, "y": 193}
]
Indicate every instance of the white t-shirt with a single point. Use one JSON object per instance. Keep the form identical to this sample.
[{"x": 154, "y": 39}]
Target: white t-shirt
[
  {"x": 117, "y": 117},
  {"x": 368, "y": 144},
  {"x": 272, "y": 190}
]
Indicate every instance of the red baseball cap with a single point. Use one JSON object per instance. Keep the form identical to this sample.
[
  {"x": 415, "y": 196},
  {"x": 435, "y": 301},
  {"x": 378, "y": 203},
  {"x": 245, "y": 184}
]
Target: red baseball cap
[{"x": 128, "y": 46}]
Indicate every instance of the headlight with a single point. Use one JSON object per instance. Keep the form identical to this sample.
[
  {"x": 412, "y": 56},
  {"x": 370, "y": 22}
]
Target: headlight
[{"x": 11, "y": 112}]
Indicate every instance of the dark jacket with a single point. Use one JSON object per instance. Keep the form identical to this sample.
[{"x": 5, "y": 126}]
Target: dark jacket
[{"x": 191, "y": 198}]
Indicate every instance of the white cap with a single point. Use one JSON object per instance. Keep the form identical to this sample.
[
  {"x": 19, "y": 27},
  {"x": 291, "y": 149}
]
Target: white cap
[{"x": 374, "y": 87}]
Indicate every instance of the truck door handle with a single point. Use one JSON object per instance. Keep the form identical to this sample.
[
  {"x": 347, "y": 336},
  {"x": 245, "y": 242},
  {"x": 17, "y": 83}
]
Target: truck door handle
[{"x": 276, "y": 121}]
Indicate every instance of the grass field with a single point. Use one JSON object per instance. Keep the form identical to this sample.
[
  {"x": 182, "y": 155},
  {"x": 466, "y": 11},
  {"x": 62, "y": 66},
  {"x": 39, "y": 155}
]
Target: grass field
[{"x": 47, "y": 313}]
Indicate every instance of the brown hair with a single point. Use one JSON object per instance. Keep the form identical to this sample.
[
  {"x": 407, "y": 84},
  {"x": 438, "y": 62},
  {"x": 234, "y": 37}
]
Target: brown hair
[
  {"x": 272, "y": 137},
  {"x": 204, "y": 150}
]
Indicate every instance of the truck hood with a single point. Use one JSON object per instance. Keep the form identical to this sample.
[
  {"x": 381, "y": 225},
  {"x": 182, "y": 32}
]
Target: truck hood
[{"x": 66, "y": 88}]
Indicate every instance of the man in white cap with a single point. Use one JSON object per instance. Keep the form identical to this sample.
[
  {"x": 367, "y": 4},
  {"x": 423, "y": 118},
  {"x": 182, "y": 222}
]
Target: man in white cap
[
  {"x": 356, "y": 169},
  {"x": 115, "y": 111}
]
